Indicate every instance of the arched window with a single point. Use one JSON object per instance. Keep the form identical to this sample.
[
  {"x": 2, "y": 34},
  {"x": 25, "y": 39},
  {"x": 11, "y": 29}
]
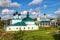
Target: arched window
[
  {"x": 9, "y": 28},
  {"x": 20, "y": 28},
  {"x": 24, "y": 27},
  {"x": 32, "y": 27},
  {"x": 46, "y": 24},
  {"x": 43, "y": 24},
  {"x": 16, "y": 28},
  {"x": 49, "y": 23},
  {"x": 28, "y": 27}
]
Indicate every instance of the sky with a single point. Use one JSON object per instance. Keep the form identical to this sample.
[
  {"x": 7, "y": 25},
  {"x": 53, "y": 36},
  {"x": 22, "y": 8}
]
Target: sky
[{"x": 36, "y": 7}]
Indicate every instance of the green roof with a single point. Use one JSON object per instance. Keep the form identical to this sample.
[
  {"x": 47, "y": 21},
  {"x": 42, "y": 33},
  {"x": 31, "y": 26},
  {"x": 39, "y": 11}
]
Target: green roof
[
  {"x": 27, "y": 18},
  {"x": 16, "y": 19},
  {"x": 19, "y": 24},
  {"x": 45, "y": 21}
]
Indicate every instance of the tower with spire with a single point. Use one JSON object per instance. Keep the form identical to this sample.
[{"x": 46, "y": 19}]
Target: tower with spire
[{"x": 45, "y": 16}]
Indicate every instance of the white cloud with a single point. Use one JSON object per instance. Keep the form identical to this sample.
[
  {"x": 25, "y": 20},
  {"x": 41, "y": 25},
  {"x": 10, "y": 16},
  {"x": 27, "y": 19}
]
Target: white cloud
[
  {"x": 6, "y": 11},
  {"x": 35, "y": 2},
  {"x": 5, "y": 17},
  {"x": 47, "y": 16},
  {"x": 58, "y": 11},
  {"x": 6, "y": 14},
  {"x": 31, "y": 10},
  {"x": 8, "y": 3},
  {"x": 50, "y": 16},
  {"x": 45, "y": 6},
  {"x": 24, "y": 12},
  {"x": 35, "y": 11},
  {"x": 15, "y": 4}
]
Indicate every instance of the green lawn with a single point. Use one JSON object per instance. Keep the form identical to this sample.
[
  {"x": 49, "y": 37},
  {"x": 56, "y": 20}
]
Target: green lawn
[
  {"x": 43, "y": 33},
  {"x": 40, "y": 34}
]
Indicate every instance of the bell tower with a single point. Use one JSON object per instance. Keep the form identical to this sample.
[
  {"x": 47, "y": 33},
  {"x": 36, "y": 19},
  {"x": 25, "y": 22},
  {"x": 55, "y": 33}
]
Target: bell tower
[
  {"x": 16, "y": 18},
  {"x": 38, "y": 18},
  {"x": 45, "y": 16}
]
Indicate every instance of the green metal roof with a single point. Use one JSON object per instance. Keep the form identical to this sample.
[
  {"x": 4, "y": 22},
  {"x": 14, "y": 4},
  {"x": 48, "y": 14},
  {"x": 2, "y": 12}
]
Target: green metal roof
[
  {"x": 45, "y": 21},
  {"x": 16, "y": 19},
  {"x": 19, "y": 24},
  {"x": 27, "y": 18}
]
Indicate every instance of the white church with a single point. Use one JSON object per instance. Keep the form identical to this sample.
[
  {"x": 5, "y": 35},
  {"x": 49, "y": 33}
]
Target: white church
[
  {"x": 27, "y": 23},
  {"x": 17, "y": 23}
]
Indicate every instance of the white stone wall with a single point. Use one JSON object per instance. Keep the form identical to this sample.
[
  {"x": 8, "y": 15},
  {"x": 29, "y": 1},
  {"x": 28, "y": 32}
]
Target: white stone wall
[
  {"x": 30, "y": 23},
  {"x": 16, "y": 16},
  {"x": 15, "y": 21},
  {"x": 33, "y": 27},
  {"x": 17, "y": 28},
  {"x": 45, "y": 24},
  {"x": 38, "y": 18}
]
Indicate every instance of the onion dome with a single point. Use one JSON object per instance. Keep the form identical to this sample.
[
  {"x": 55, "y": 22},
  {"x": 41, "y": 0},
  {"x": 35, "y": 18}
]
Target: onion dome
[
  {"x": 16, "y": 13},
  {"x": 19, "y": 14}
]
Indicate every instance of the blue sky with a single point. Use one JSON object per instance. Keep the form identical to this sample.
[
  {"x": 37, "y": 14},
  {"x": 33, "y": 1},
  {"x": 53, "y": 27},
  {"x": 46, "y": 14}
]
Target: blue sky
[{"x": 52, "y": 6}]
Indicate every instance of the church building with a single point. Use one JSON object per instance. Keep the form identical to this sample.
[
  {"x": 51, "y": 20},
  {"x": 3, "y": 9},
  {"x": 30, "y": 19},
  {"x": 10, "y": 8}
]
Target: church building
[
  {"x": 17, "y": 23},
  {"x": 27, "y": 23}
]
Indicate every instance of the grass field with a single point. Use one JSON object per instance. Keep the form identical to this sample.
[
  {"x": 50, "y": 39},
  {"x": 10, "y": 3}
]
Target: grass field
[{"x": 43, "y": 33}]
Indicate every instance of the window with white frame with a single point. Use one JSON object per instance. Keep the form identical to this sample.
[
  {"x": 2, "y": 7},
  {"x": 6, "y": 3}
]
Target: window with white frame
[
  {"x": 32, "y": 27},
  {"x": 20, "y": 28},
  {"x": 46, "y": 24},
  {"x": 43, "y": 24},
  {"x": 28, "y": 27},
  {"x": 9, "y": 28},
  {"x": 24, "y": 27},
  {"x": 16, "y": 28}
]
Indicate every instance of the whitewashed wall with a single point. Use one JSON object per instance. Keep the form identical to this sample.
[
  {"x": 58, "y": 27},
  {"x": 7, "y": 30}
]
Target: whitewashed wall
[
  {"x": 45, "y": 24},
  {"x": 14, "y": 28},
  {"x": 15, "y": 21},
  {"x": 30, "y": 22}
]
